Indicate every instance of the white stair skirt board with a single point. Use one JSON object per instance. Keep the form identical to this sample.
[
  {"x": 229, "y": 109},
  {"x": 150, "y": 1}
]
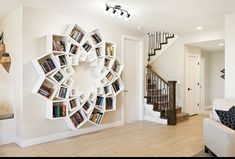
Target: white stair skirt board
[
  {"x": 164, "y": 48},
  {"x": 153, "y": 116}
]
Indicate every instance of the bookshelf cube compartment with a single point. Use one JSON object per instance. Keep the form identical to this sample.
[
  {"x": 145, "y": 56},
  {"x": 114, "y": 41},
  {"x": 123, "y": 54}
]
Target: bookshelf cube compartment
[
  {"x": 87, "y": 107},
  {"x": 108, "y": 90},
  {"x": 64, "y": 60},
  {"x": 110, "y": 104},
  {"x": 74, "y": 92},
  {"x": 111, "y": 76},
  {"x": 68, "y": 82},
  {"x": 87, "y": 46},
  {"x": 63, "y": 92},
  {"x": 99, "y": 50},
  {"x": 96, "y": 37},
  {"x": 110, "y": 49},
  {"x": 58, "y": 77},
  {"x": 68, "y": 70},
  {"x": 117, "y": 67},
  {"x": 108, "y": 62},
  {"x": 104, "y": 81},
  {"x": 74, "y": 49},
  {"x": 117, "y": 86},
  {"x": 100, "y": 90},
  {"x": 74, "y": 60},
  {"x": 82, "y": 98},
  {"x": 56, "y": 44},
  {"x": 96, "y": 116},
  {"x": 46, "y": 64},
  {"x": 57, "y": 109},
  {"x": 100, "y": 102},
  {"x": 46, "y": 88},
  {"x": 76, "y": 119},
  {"x": 74, "y": 104},
  {"x": 92, "y": 97},
  {"x": 91, "y": 57},
  {"x": 75, "y": 33},
  {"x": 83, "y": 56}
]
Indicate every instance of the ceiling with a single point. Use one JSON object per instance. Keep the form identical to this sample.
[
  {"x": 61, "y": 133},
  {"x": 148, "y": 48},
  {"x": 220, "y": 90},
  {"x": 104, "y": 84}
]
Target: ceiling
[
  {"x": 210, "y": 46},
  {"x": 176, "y": 16}
]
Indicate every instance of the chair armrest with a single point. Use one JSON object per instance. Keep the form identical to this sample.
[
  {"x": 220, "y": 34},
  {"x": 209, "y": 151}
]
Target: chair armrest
[{"x": 219, "y": 138}]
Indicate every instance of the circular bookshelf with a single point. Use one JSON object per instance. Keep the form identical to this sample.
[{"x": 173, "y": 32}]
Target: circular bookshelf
[{"x": 60, "y": 86}]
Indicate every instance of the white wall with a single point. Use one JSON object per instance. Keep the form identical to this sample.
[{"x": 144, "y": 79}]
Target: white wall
[
  {"x": 230, "y": 56},
  {"x": 13, "y": 38},
  {"x": 171, "y": 64},
  {"x": 214, "y": 84},
  {"x": 36, "y": 24}
]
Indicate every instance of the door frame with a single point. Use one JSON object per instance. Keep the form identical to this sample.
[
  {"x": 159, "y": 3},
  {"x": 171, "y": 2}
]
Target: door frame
[
  {"x": 140, "y": 61},
  {"x": 186, "y": 81}
]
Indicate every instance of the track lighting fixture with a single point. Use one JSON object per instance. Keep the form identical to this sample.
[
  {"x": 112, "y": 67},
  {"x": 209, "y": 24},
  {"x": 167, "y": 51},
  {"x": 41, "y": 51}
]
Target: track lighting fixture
[{"x": 117, "y": 9}]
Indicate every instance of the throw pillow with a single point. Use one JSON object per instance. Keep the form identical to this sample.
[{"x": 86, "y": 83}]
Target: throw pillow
[{"x": 227, "y": 118}]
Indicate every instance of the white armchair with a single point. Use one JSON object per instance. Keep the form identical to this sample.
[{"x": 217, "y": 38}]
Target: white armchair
[{"x": 218, "y": 138}]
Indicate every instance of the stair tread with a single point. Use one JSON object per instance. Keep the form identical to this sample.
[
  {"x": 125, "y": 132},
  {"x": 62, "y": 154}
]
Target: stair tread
[{"x": 182, "y": 114}]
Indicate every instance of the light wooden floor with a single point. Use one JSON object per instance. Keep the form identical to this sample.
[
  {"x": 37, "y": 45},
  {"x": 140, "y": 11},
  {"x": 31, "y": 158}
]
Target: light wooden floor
[{"x": 136, "y": 139}]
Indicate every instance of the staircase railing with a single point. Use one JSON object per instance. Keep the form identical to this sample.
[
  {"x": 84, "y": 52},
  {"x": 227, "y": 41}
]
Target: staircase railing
[
  {"x": 156, "y": 40},
  {"x": 161, "y": 94}
]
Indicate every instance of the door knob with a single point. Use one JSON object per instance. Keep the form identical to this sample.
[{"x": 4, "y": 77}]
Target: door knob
[
  {"x": 125, "y": 91},
  {"x": 189, "y": 89}
]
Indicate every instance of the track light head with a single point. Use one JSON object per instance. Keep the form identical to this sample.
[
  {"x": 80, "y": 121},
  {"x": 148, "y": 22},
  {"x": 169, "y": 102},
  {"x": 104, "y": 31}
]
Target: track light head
[
  {"x": 121, "y": 13},
  {"x": 128, "y": 15},
  {"x": 114, "y": 11},
  {"x": 107, "y": 8}
]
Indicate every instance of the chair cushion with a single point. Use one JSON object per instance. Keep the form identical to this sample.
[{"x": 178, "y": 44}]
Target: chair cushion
[{"x": 227, "y": 118}]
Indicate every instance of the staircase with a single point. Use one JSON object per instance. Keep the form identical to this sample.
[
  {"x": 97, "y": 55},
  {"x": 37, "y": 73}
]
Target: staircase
[
  {"x": 158, "y": 43},
  {"x": 161, "y": 100}
]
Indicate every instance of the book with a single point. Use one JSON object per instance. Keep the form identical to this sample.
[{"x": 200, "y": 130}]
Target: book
[
  {"x": 109, "y": 103},
  {"x": 47, "y": 65},
  {"x": 58, "y": 76},
  {"x": 58, "y": 45},
  {"x": 63, "y": 92},
  {"x": 62, "y": 60},
  {"x": 98, "y": 52},
  {"x": 73, "y": 49}
]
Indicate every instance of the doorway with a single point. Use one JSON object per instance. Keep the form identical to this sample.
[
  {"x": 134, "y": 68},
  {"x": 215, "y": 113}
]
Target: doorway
[
  {"x": 192, "y": 84},
  {"x": 133, "y": 56}
]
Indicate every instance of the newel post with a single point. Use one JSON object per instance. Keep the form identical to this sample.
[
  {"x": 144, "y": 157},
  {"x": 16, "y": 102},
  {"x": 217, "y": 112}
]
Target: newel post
[{"x": 172, "y": 103}]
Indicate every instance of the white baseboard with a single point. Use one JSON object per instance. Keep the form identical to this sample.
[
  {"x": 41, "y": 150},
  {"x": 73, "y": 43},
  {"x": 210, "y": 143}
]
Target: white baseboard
[{"x": 67, "y": 134}]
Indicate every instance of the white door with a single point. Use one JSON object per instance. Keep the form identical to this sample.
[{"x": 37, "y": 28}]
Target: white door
[
  {"x": 131, "y": 54},
  {"x": 192, "y": 84}
]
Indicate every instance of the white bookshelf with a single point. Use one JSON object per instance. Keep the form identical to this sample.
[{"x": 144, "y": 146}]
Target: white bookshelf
[
  {"x": 117, "y": 67},
  {"x": 74, "y": 104},
  {"x": 69, "y": 70},
  {"x": 75, "y": 33},
  {"x": 64, "y": 60},
  {"x": 96, "y": 37},
  {"x": 57, "y": 109},
  {"x": 63, "y": 92},
  {"x": 87, "y": 106},
  {"x": 110, "y": 103},
  {"x": 68, "y": 82},
  {"x": 46, "y": 64},
  {"x": 100, "y": 102},
  {"x": 117, "y": 86},
  {"x": 110, "y": 49},
  {"x": 48, "y": 85},
  {"x": 108, "y": 62},
  {"x": 56, "y": 83},
  {"x": 96, "y": 116},
  {"x": 74, "y": 60},
  {"x": 58, "y": 76},
  {"x": 74, "y": 49},
  {"x": 56, "y": 44},
  {"x": 76, "y": 119}
]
